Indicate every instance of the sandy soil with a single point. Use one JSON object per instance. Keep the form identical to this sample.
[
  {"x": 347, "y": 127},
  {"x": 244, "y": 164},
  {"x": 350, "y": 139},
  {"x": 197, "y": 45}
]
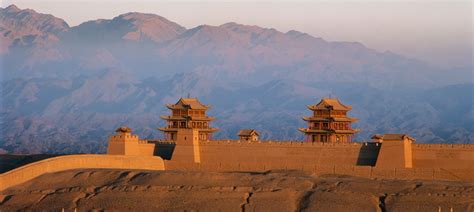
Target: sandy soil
[{"x": 119, "y": 190}]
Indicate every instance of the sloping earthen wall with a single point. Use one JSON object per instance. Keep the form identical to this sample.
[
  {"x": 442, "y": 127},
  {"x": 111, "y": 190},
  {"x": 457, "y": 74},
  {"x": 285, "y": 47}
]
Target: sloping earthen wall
[
  {"x": 448, "y": 156},
  {"x": 61, "y": 163}
]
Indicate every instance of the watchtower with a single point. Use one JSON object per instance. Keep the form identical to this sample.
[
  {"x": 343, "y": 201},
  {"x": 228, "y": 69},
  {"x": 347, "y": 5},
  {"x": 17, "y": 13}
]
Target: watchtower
[
  {"x": 329, "y": 122},
  {"x": 187, "y": 114},
  {"x": 125, "y": 143}
]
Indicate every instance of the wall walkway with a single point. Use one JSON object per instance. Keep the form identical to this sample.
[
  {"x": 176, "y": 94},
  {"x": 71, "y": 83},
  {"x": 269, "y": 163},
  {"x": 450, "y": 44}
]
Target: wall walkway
[{"x": 61, "y": 163}]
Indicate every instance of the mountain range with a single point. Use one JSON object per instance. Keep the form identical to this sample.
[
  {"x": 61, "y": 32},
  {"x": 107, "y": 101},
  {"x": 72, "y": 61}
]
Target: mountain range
[{"x": 65, "y": 89}]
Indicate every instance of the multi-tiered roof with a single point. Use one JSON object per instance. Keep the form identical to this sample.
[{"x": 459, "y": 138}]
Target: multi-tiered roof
[
  {"x": 188, "y": 109},
  {"x": 188, "y": 113},
  {"x": 329, "y": 122}
]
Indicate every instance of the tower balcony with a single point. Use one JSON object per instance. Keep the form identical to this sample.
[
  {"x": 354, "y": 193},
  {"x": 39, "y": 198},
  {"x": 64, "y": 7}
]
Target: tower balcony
[
  {"x": 329, "y": 119},
  {"x": 176, "y": 128},
  {"x": 180, "y": 118},
  {"x": 328, "y": 131}
]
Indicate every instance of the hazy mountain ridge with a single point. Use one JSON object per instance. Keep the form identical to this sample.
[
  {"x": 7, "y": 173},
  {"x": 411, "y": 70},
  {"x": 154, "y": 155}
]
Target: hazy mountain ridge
[
  {"x": 275, "y": 109},
  {"x": 16, "y": 24},
  {"x": 138, "y": 43},
  {"x": 130, "y": 26},
  {"x": 65, "y": 89}
]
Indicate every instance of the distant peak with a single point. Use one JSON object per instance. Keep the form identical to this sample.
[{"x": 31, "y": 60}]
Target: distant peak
[
  {"x": 242, "y": 27},
  {"x": 229, "y": 24},
  {"x": 234, "y": 24},
  {"x": 138, "y": 15},
  {"x": 12, "y": 8},
  {"x": 294, "y": 32},
  {"x": 202, "y": 29},
  {"x": 32, "y": 19},
  {"x": 205, "y": 28},
  {"x": 300, "y": 35},
  {"x": 148, "y": 20}
]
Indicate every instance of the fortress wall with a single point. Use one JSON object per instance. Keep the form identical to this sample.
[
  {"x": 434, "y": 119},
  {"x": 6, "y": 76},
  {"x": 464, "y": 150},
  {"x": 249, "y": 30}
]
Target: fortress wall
[
  {"x": 146, "y": 149},
  {"x": 358, "y": 171},
  {"x": 130, "y": 147},
  {"x": 116, "y": 148},
  {"x": 61, "y": 163},
  {"x": 286, "y": 154},
  {"x": 318, "y": 158},
  {"x": 450, "y": 156},
  {"x": 278, "y": 155}
]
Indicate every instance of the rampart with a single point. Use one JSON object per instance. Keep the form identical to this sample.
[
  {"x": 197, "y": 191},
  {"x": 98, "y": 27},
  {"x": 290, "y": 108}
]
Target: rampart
[
  {"x": 275, "y": 154},
  {"x": 61, "y": 163},
  {"x": 127, "y": 144},
  {"x": 278, "y": 154},
  {"x": 450, "y": 156},
  {"x": 357, "y": 159},
  {"x": 358, "y": 171},
  {"x": 430, "y": 161}
]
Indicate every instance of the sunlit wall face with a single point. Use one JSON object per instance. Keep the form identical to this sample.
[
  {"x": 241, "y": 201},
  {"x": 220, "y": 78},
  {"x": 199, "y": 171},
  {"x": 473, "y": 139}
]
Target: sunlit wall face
[{"x": 439, "y": 32}]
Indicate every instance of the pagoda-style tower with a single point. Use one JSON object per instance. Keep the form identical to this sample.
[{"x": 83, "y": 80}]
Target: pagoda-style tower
[
  {"x": 188, "y": 113},
  {"x": 329, "y": 122}
]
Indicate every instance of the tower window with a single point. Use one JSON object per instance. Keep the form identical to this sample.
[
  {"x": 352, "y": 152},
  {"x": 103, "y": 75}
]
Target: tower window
[{"x": 324, "y": 138}]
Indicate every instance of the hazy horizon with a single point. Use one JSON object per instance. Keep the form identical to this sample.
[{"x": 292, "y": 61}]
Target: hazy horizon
[
  {"x": 439, "y": 33},
  {"x": 66, "y": 89}
]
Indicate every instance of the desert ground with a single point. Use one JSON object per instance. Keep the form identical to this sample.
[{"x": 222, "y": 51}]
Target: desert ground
[{"x": 276, "y": 190}]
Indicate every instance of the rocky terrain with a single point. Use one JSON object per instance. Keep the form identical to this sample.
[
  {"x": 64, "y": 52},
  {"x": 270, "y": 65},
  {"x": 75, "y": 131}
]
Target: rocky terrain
[
  {"x": 115, "y": 190},
  {"x": 65, "y": 89}
]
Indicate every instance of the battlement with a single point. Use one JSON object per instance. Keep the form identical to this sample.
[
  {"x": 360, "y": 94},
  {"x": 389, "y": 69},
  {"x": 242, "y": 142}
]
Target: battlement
[
  {"x": 444, "y": 146},
  {"x": 118, "y": 137},
  {"x": 161, "y": 142},
  {"x": 318, "y": 144},
  {"x": 443, "y": 155},
  {"x": 286, "y": 143},
  {"x": 124, "y": 138}
]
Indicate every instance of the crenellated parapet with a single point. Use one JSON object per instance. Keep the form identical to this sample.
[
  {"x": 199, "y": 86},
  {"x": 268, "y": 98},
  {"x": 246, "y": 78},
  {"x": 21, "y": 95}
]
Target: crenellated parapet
[
  {"x": 279, "y": 143},
  {"x": 444, "y": 146},
  {"x": 452, "y": 156}
]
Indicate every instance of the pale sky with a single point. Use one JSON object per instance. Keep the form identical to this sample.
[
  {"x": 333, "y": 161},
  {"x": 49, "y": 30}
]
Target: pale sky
[{"x": 439, "y": 32}]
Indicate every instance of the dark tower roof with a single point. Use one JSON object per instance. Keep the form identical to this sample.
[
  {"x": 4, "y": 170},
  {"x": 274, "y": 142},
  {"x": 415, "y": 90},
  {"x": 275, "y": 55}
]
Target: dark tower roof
[
  {"x": 188, "y": 103},
  {"x": 392, "y": 137},
  {"x": 248, "y": 132},
  {"x": 124, "y": 129},
  {"x": 330, "y": 104}
]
